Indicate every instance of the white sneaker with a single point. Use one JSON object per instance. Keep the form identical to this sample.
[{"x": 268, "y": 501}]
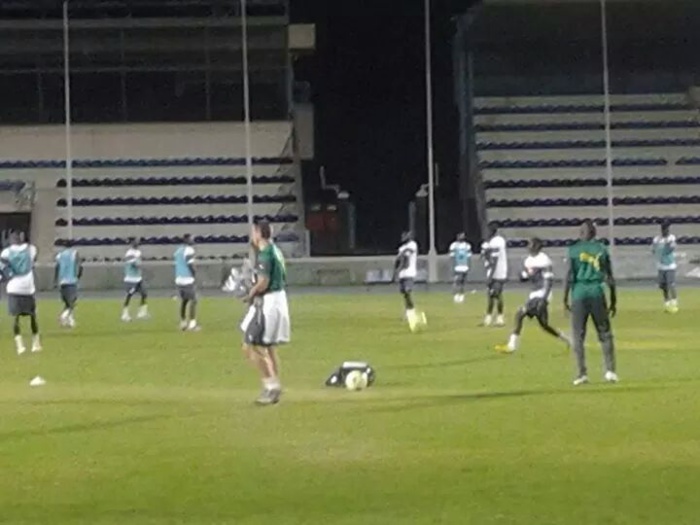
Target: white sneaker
[
  {"x": 487, "y": 321},
  {"x": 581, "y": 380},
  {"x": 193, "y": 326},
  {"x": 71, "y": 322},
  {"x": 183, "y": 325},
  {"x": 500, "y": 321},
  {"x": 126, "y": 318},
  {"x": 19, "y": 344},
  {"x": 36, "y": 344},
  {"x": 37, "y": 381},
  {"x": 143, "y": 313},
  {"x": 611, "y": 377}
]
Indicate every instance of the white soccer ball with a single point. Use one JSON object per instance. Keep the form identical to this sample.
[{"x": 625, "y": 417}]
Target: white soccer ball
[{"x": 356, "y": 380}]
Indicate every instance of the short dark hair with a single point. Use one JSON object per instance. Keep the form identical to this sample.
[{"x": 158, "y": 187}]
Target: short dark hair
[
  {"x": 665, "y": 225},
  {"x": 590, "y": 225},
  {"x": 265, "y": 229},
  {"x": 68, "y": 243},
  {"x": 187, "y": 237},
  {"x": 536, "y": 244}
]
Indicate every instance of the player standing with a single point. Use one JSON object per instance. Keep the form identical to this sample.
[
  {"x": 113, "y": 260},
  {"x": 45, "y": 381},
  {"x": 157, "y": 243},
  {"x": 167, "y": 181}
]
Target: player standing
[
  {"x": 266, "y": 324},
  {"x": 69, "y": 270},
  {"x": 461, "y": 254},
  {"x": 185, "y": 281},
  {"x": 406, "y": 267},
  {"x": 133, "y": 279},
  {"x": 18, "y": 261},
  {"x": 495, "y": 254},
  {"x": 590, "y": 269},
  {"x": 664, "y": 250},
  {"x": 537, "y": 270}
]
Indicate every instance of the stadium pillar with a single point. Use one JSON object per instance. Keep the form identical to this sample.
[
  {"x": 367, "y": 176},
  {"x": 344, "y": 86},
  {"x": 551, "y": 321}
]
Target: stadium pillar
[
  {"x": 67, "y": 107},
  {"x": 246, "y": 113},
  {"x": 432, "y": 251},
  {"x": 608, "y": 127}
]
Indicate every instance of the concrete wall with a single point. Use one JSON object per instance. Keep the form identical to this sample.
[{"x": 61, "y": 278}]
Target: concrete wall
[
  {"x": 143, "y": 141},
  {"x": 340, "y": 271}
]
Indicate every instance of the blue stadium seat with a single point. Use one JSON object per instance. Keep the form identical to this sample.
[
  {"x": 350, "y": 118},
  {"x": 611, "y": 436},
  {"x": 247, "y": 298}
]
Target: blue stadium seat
[
  {"x": 688, "y": 161},
  {"x": 175, "y": 181},
  {"x": 586, "y": 126},
  {"x": 601, "y": 221},
  {"x": 151, "y": 221},
  {"x": 619, "y": 201},
  {"x": 573, "y": 163},
  {"x": 170, "y": 201},
  {"x": 586, "y": 144},
  {"x": 577, "y": 108},
  {"x": 588, "y": 183}
]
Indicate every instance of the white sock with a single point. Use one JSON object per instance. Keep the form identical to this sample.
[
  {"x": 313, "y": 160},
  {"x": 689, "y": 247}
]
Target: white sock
[
  {"x": 271, "y": 383},
  {"x": 192, "y": 324},
  {"x": 64, "y": 314},
  {"x": 19, "y": 341},
  {"x": 488, "y": 319},
  {"x": 411, "y": 314},
  {"x": 513, "y": 342}
]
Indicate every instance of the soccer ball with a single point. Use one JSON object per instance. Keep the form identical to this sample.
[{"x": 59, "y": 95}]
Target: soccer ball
[{"x": 356, "y": 380}]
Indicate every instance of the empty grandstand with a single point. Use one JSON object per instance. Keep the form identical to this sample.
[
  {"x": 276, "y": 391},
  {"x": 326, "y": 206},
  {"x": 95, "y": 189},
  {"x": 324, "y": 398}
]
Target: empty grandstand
[{"x": 158, "y": 148}]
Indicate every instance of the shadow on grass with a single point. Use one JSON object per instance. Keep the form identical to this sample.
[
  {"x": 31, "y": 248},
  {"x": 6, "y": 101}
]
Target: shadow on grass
[
  {"x": 90, "y": 426},
  {"x": 414, "y": 403},
  {"x": 447, "y": 364}
]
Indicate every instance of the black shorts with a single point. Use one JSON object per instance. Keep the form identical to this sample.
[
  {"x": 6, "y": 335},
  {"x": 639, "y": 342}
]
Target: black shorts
[
  {"x": 135, "y": 288},
  {"x": 536, "y": 307},
  {"x": 21, "y": 305},
  {"x": 460, "y": 277},
  {"x": 667, "y": 278},
  {"x": 406, "y": 285},
  {"x": 495, "y": 287},
  {"x": 187, "y": 292},
  {"x": 69, "y": 293}
]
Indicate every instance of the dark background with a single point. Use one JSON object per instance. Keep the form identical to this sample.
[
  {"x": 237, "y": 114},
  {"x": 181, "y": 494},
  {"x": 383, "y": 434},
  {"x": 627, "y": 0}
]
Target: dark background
[{"x": 368, "y": 85}]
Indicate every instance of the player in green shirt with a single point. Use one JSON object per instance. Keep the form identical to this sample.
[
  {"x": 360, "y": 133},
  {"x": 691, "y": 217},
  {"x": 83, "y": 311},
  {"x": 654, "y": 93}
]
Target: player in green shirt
[
  {"x": 267, "y": 325},
  {"x": 590, "y": 270}
]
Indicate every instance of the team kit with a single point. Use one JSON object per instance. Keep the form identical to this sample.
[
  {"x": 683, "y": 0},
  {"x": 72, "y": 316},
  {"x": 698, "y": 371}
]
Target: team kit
[{"x": 262, "y": 284}]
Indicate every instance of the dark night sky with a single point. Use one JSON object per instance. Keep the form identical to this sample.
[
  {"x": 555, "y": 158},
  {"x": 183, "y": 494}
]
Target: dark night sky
[{"x": 368, "y": 81}]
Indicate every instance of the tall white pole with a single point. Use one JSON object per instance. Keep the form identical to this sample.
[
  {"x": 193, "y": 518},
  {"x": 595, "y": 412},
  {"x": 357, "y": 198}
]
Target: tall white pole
[
  {"x": 246, "y": 111},
  {"x": 608, "y": 127},
  {"x": 432, "y": 252},
  {"x": 67, "y": 104}
]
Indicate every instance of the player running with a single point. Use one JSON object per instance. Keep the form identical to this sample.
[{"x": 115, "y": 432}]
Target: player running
[
  {"x": 495, "y": 255},
  {"x": 266, "y": 324},
  {"x": 664, "y": 250},
  {"x": 406, "y": 267},
  {"x": 68, "y": 271},
  {"x": 185, "y": 281},
  {"x": 461, "y": 254},
  {"x": 18, "y": 261},
  {"x": 133, "y": 280},
  {"x": 537, "y": 270},
  {"x": 589, "y": 269}
]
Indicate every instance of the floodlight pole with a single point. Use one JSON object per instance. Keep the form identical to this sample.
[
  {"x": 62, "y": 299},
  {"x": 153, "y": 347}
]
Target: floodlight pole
[
  {"x": 608, "y": 128},
  {"x": 246, "y": 113},
  {"x": 67, "y": 107},
  {"x": 432, "y": 251}
]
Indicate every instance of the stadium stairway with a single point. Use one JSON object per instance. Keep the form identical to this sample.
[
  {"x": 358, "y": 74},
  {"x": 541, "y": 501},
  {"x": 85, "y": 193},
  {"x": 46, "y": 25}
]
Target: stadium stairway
[{"x": 544, "y": 168}]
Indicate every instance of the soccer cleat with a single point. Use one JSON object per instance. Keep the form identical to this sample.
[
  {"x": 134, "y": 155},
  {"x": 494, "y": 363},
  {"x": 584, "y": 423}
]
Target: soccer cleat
[
  {"x": 36, "y": 344},
  {"x": 183, "y": 325},
  {"x": 487, "y": 321},
  {"x": 143, "y": 313},
  {"x": 412, "y": 319},
  {"x": 268, "y": 397},
  {"x": 500, "y": 321},
  {"x": 504, "y": 349},
  {"x": 611, "y": 377},
  {"x": 19, "y": 344},
  {"x": 193, "y": 326},
  {"x": 673, "y": 309},
  {"x": 581, "y": 380},
  {"x": 126, "y": 318},
  {"x": 71, "y": 322}
]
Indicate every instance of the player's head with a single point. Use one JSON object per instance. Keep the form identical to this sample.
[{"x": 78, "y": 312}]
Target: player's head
[
  {"x": 134, "y": 242},
  {"x": 15, "y": 237},
  {"x": 407, "y": 236},
  {"x": 535, "y": 245},
  {"x": 665, "y": 228},
  {"x": 588, "y": 230},
  {"x": 461, "y": 237},
  {"x": 493, "y": 229},
  {"x": 68, "y": 243},
  {"x": 187, "y": 239},
  {"x": 262, "y": 233}
]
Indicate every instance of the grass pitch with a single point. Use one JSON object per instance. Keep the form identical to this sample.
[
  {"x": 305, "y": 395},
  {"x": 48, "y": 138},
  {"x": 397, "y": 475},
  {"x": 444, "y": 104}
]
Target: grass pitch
[{"x": 141, "y": 424}]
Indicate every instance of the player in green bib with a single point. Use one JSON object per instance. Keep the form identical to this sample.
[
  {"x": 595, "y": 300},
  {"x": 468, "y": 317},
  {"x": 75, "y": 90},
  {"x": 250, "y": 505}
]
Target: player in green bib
[
  {"x": 266, "y": 324},
  {"x": 590, "y": 270}
]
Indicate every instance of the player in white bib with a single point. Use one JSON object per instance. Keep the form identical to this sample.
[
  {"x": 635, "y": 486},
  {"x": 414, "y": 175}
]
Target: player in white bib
[
  {"x": 17, "y": 261},
  {"x": 664, "y": 250},
  {"x": 537, "y": 269},
  {"x": 461, "y": 254},
  {"x": 406, "y": 268},
  {"x": 133, "y": 281},
  {"x": 495, "y": 254}
]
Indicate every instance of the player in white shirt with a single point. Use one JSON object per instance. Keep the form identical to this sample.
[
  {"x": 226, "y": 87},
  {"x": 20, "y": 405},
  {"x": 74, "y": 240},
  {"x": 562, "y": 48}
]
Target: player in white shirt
[
  {"x": 133, "y": 281},
  {"x": 184, "y": 258},
  {"x": 537, "y": 269},
  {"x": 17, "y": 261},
  {"x": 461, "y": 254},
  {"x": 664, "y": 250},
  {"x": 406, "y": 268},
  {"x": 495, "y": 255}
]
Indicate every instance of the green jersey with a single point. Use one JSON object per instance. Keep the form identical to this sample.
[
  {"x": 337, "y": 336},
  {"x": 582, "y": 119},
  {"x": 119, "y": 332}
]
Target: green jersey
[
  {"x": 271, "y": 264},
  {"x": 589, "y": 262}
]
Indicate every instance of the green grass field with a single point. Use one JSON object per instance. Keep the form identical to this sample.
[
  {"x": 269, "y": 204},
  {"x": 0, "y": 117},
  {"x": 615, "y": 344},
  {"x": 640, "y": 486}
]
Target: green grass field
[{"x": 141, "y": 424}]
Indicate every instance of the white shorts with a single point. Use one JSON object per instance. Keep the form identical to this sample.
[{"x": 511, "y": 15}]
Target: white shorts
[{"x": 267, "y": 321}]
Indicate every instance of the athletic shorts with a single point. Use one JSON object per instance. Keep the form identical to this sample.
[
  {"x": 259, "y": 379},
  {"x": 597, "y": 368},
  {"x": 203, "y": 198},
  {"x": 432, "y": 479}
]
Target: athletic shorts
[
  {"x": 461, "y": 277},
  {"x": 406, "y": 285},
  {"x": 495, "y": 287},
  {"x": 21, "y": 304},
  {"x": 187, "y": 292},
  {"x": 267, "y": 321},
  {"x": 135, "y": 288},
  {"x": 535, "y": 307},
  {"x": 69, "y": 293},
  {"x": 667, "y": 278}
]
